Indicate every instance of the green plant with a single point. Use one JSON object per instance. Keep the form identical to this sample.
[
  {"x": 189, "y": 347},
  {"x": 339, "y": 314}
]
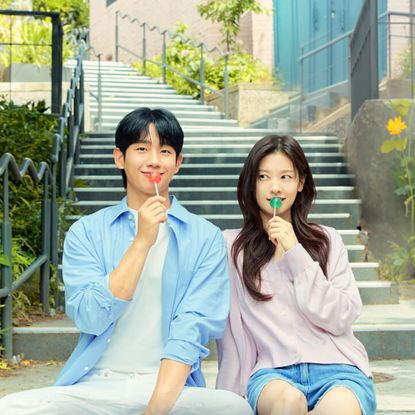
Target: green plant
[
  {"x": 25, "y": 131},
  {"x": 38, "y": 31},
  {"x": 405, "y": 63},
  {"x": 74, "y": 13},
  {"x": 228, "y": 13},
  {"x": 184, "y": 57},
  {"x": 28, "y": 35},
  {"x": 401, "y": 260}
]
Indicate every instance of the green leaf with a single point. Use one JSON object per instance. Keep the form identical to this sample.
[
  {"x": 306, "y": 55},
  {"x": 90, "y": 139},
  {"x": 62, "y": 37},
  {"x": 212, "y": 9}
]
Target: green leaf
[
  {"x": 401, "y": 144},
  {"x": 4, "y": 260},
  {"x": 391, "y": 145},
  {"x": 387, "y": 146},
  {"x": 401, "y": 106}
]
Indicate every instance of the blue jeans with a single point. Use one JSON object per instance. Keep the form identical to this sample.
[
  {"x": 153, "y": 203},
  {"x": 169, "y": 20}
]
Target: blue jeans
[{"x": 314, "y": 381}]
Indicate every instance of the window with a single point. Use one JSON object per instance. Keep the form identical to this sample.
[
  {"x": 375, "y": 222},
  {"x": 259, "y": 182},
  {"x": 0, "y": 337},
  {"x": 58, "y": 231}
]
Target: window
[{"x": 109, "y": 2}]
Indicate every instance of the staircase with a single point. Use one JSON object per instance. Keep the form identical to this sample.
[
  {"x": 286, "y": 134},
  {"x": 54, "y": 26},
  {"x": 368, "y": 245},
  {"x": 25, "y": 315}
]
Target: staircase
[{"x": 214, "y": 151}]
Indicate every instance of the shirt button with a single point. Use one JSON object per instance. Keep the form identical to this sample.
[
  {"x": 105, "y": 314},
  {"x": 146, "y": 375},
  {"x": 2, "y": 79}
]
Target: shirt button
[
  {"x": 131, "y": 239},
  {"x": 130, "y": 217},
  {"x": 86, "y": 368},
  {"x": 108, "y": 340}
]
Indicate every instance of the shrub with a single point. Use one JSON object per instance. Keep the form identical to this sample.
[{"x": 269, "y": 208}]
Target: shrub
[
  {"x": 184, "y": 57},
  {"x": 25, "y": 131}
]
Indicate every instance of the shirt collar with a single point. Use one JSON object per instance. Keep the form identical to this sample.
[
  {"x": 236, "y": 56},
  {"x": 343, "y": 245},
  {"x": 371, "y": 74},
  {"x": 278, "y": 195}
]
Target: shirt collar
[{"x": 176, "y": 210}]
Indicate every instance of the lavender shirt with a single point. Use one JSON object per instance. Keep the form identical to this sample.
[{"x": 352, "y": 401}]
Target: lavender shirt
[{"x": 308, "y": 320}]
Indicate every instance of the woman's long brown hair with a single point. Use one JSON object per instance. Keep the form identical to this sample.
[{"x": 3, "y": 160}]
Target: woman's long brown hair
[{"x": 253, "y": 240}]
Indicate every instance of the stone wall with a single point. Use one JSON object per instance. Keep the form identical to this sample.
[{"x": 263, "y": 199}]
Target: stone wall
[
  {"x": 383, "y": 213},
  {"x": 248, "y": 102}
]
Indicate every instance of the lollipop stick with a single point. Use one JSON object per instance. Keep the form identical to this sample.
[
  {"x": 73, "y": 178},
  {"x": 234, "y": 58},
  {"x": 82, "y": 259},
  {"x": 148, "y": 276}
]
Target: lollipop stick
[
  {"x": 157, "y": 190},
  {"x": 274, "y": 212}
]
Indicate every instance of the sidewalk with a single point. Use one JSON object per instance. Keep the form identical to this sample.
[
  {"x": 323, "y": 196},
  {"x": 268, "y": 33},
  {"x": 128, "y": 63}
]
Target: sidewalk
[{"x": 395, "y": 382}]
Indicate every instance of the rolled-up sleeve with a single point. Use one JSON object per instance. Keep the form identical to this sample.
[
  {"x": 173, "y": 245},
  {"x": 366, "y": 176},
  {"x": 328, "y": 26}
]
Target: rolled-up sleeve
[
  {"x": 202, "y": 313},
  {"x": 89, "y": 302}
]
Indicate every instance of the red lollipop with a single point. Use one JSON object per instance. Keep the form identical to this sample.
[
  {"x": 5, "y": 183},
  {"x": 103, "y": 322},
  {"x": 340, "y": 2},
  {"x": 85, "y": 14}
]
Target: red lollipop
[{"x": 155, "y": 178}]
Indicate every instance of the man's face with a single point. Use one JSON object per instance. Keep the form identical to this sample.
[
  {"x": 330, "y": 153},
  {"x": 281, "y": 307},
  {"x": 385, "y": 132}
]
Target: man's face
[{"x": 146, "y": 157}]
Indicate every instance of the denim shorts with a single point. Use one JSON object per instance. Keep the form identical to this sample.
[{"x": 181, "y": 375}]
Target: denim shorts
[{"x": 315, "y": 380}]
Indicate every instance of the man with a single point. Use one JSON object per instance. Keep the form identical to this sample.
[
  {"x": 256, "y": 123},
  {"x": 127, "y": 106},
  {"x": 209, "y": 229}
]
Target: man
[{"x": 146, "y": 283}]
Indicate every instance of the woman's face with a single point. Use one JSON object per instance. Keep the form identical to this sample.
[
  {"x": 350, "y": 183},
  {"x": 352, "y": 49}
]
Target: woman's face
[{"x": 277, "y": 177}]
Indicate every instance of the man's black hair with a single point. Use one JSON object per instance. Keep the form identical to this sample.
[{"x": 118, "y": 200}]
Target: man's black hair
[{"x": 134, "y": 127}]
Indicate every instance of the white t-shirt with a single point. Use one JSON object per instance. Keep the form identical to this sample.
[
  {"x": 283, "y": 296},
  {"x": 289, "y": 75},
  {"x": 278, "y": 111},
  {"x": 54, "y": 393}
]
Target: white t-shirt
[{"x": 137, "y": 343}]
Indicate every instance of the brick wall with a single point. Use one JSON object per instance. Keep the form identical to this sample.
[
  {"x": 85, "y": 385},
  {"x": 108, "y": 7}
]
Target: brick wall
[{"x": 256, "y": 31}]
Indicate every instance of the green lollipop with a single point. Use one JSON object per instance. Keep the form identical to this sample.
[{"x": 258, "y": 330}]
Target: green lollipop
[{"x": 275, "y": 203}]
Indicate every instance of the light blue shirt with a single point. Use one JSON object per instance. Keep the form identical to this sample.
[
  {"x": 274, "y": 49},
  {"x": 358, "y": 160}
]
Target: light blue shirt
[{"x": 195, "y": 286}]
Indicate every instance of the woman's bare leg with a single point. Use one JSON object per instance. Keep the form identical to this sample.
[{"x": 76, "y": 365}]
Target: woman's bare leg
[{"x": 280, "y": 398}]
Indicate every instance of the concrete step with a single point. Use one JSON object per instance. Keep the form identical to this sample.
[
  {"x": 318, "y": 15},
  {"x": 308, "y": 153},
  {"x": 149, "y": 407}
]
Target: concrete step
[
  {"x": 129, "y": 85},
  {"x": 153, "y": 92},
  {"x": 225, "y": 180},
  {"x": 148, "y": 100},
  {"x": 236, "y": 132},
  {"x": 211, "y": 187},
  {"x": 130, "y": 106},
  {"x": 378, "y": 327},
  {"x": 108, "y": 140},
  {"x": 109, "y": 78},
  {"x": 209, "y": 168},
  {"x": 394, "y": 382},
  {"x": 335, "y": 220},
  {"x": 124, "y": 82},
  {"x": 234, "y": 157},
  {"x": 227, "y": 193},
  {"x": 108, "y": 114},
  {"x": 195, "y": 146},
  {"x": 112, "y": 122}
]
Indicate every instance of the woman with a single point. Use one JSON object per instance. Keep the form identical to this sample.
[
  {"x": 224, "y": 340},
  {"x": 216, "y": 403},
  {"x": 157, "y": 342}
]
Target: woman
[{"x": 289, "y": 345}]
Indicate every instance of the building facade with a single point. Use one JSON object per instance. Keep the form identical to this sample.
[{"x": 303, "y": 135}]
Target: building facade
[{"x": 256, "y": 35}]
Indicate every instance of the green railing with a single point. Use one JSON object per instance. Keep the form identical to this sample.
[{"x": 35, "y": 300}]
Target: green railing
[
  {"x": 57, "y": 177},
  {"x": 146, "y": 28}
]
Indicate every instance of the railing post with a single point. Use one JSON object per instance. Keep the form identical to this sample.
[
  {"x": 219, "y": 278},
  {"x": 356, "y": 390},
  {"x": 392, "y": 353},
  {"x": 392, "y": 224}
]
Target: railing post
[
  {"x": 62, "y": 160},
  {"x": 6, "y": 272},
  {"x": 45, "y": 268},
  {"x": 226, "y": 88},
  {"x": 116, "y": 37},
  {"x": 300, "y": 115},
  {"x": 54, "y": 223},
  {"x": 99, "y": 93},
  {"x": 71, "y": 144},
  {"x": 82, "y": 100},
  {"x": 202, "y": 76},
  {"x": 164, "y": 58},
  {"x": 411, "y": 46},
  {"x": 144, "y": 49},
  {"x": 57, "y": 35},
  {"x": 374, "y": 76},
  {"x": 389, "y": 47}
]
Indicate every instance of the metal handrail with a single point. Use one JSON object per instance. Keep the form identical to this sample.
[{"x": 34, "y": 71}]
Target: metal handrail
[
  {"x": 43, "y": 261},
  {"x": 81, "y": 36},
  {"x": 388, "y": 14},
  {"x": 58, "y": 177},
  {"x": 185, "y": 39}
]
